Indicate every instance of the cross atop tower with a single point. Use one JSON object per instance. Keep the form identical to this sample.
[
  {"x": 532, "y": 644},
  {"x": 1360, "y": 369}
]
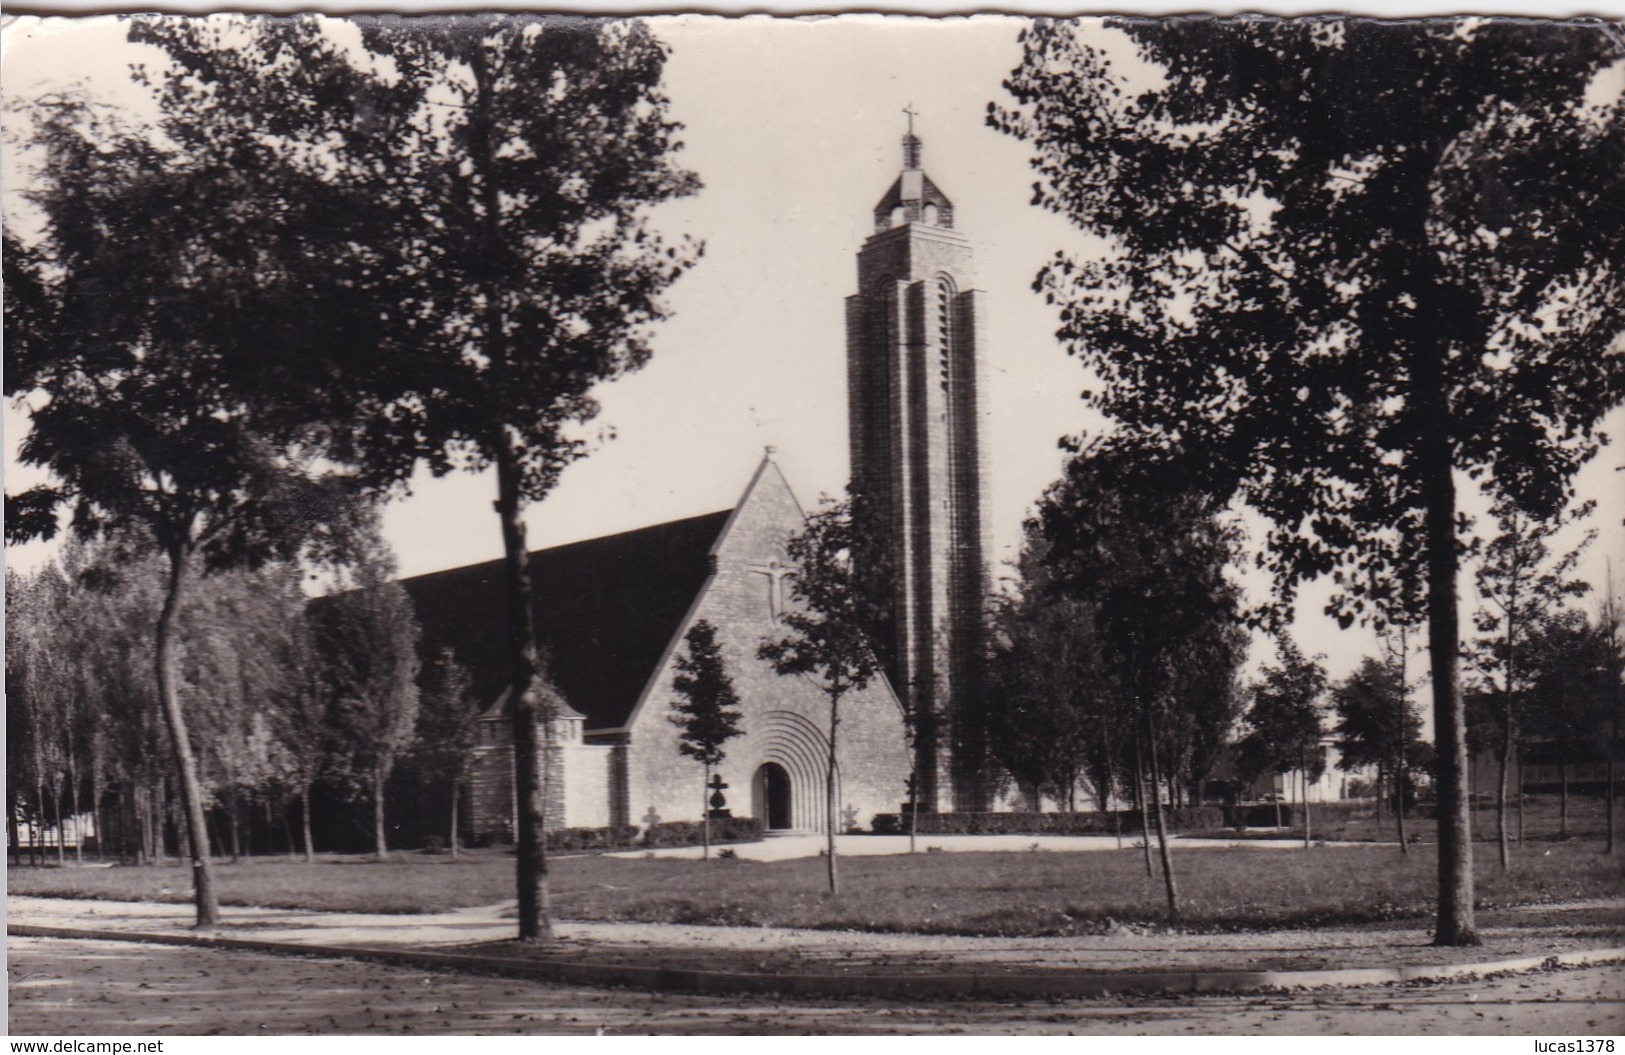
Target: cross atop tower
[{"x": 911, "y": 142}]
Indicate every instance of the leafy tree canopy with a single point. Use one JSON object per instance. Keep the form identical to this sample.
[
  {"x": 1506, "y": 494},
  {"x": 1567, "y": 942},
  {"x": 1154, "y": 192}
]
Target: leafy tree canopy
[{"x": 1331, "y": 236}]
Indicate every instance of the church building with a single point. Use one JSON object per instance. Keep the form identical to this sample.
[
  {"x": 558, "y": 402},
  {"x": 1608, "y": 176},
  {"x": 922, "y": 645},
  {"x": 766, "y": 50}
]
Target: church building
[{"x": 612, "y": 613}]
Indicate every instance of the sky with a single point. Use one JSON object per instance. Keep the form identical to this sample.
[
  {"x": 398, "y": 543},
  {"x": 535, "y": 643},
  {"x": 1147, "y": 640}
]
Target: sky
[{"x": 794, "y": 128}]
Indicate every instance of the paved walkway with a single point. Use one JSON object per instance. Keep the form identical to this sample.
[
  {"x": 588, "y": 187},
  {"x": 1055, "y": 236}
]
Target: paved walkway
[{"x": 1514, "y": 934}]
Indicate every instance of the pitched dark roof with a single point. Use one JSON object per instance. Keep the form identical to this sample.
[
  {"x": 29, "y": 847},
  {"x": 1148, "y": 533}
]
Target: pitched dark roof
[{"x": 605, "y": 610}]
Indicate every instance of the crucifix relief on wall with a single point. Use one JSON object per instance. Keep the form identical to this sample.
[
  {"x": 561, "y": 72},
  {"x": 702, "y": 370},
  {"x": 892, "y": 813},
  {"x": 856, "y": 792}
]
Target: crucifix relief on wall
[{"x": 776, "y": 571}]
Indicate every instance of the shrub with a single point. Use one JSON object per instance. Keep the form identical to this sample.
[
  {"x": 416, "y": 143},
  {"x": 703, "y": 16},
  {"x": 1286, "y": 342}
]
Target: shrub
[
  {"x": 1262, "y": 815},
  {"x": 691, "y": 833},
  {"x": 617, "y": 837}
]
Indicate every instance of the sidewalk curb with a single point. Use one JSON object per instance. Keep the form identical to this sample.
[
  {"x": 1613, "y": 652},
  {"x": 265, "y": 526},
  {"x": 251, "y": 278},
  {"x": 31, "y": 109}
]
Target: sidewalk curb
[{"x": 1057, "y": 982}]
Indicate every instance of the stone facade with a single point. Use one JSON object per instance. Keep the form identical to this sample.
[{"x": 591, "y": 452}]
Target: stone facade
[
  {"x": 785, "y": 719},
  {"x": 915, "y": 334},
  {"x": 633, "y": 773}
]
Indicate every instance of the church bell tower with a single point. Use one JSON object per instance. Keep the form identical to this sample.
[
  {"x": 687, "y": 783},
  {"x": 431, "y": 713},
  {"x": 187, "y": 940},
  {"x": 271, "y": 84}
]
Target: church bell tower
[{"x": 914, "y": 345}]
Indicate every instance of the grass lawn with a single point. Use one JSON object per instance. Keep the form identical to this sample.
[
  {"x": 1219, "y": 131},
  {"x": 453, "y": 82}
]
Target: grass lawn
[{"x": 973, "y": 893}]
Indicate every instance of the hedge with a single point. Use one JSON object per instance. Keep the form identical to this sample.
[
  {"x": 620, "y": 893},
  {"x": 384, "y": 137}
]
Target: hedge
[
  {"x": 618, "y": 837},
  {"x": 691, "y": 833},
  {"x": 1262, "y": 815},
  {"x": 1192, "y": 818}
]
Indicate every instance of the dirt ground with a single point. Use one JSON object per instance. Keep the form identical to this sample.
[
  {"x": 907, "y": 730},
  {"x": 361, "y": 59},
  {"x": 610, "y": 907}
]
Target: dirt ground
[{"x": 61, "y": 987}]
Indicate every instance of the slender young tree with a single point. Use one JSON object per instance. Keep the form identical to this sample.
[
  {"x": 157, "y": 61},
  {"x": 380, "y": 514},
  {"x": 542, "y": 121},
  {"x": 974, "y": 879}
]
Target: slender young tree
[
  {"x": 1331, "y": 311},
  {"x": 707, "y": 714},
  {"x": 1376, "y": 725},
  {"x": 1284, "y": 717},
  {"x": 1520, "y": 582},
  {"x": 1150, "y": 556},
  {"x": 827, "y": 637},
  {"x": 448, "y": 732}
]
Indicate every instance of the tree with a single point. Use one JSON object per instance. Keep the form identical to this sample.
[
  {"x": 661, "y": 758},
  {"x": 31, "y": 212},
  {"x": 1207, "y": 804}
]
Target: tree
[
  {"x": 827, "y": 637},
  {"x": 1520, "y": 582},
  {"x": 523, "y": 156},
  {"x": 1284, "y": 718},
  {"x": 180, "y": 294},
  {"x": 302, "y": 721},
  {"x": 1611, "y": 622},
  {"x": 449, "y": 727},
  {"x": 1053, "y": 717},
  {"x": 1567, "y": 699},
  {"x": 1150, "y": 556},
  {"x": 234, "y": 674},
  {"x": 367, "y": 634},
  {"x": 708, "y": 713},
  {"x": 471, "y": 248},
  {"x": 1377, "y": 726},
  {"x": 1329, "y": 310}
]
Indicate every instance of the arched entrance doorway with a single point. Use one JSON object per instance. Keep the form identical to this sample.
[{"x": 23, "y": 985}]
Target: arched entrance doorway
[{"x": 774, "y": 784}]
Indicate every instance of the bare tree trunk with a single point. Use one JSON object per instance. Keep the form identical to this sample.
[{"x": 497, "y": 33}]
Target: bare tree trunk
[
  {"x": 380, "y": 834},
  {"x": 1162, "y": 825},
  {"x": 914, "y": 803},
  {"x": 1276, "y": 795},
  {"x": 197, "y": 835},
  {"x": 233, "y": 822},
  {"x": 705, "y": 816},
  {"x": 1563, "y": 804},
  {"x": 287, "y": 832},
  {"x": 61, "y": 836},
  {"x": 1455, "y": 924},
  {"x": 1502, "y": 833},
  {"x": 96, "y": 811},
  {"x": 138, "y": 814},
  {"x": 1304, "y": 761},
  {"x": 1520, "y": 798},
  {"x": 36, "y": 826},
  {"x": 832, "y": 805},
  {"x": 1615, "y": 690},
  {"x": 535, "y": 909},
  {"x": 456, "y": 796},
  {"x": 304, "y": 805},
  {"x": 1612, "y": 780},
  {"x": 1399, "y": 804},
  {"x": 73, "y": 809},
  {"x": 216, "y": 843},
  {"x": 1139, "y": 801}
]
